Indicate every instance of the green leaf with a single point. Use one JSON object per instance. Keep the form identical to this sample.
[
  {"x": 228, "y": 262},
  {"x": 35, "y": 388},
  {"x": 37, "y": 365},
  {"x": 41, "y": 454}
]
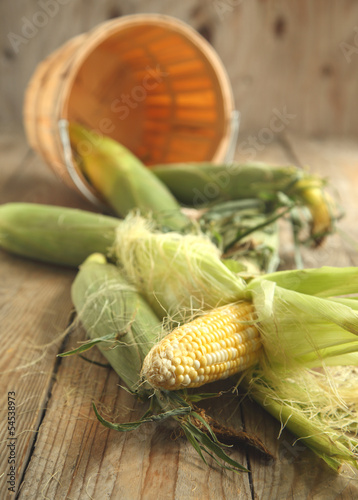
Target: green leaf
[
  {"x": 88, "y": 345},
  {"x": 130, "y": 426},
  {"x": 234, "y": 265},
  {"x": 322, "y": 282},
  {"x": 193, "y": 442},
  {"x": 208, "y": 444},
  {"x": 195, "y": 398},
  {"x": 206, "y": 425}
]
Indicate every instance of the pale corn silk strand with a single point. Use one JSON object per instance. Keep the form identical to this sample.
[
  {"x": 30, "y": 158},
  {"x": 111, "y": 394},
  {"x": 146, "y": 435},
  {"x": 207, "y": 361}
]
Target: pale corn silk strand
[{"x": 176, "y": 273}]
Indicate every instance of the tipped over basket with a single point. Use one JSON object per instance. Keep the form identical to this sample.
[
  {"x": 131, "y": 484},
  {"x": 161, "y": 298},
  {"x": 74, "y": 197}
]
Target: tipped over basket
[{"x": 149, "y": 81}]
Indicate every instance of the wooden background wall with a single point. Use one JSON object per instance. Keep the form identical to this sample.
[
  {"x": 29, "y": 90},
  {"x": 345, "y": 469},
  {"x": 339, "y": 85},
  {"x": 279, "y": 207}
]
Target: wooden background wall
[{"x": 298, "y": 55}]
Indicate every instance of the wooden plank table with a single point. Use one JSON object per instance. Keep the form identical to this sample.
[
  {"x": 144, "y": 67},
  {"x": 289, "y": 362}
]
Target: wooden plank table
[{"x": 62, "y": 452}]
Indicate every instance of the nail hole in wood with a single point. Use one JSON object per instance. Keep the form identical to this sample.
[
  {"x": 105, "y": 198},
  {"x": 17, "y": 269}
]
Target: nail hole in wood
[
  {"x": 280, "y": 27},
  {"x": 206, "y": 32},
  {"x": 327, "y": 70},
  {"x": 114, "y": 12},
  {"x": 8, "y": 53}
]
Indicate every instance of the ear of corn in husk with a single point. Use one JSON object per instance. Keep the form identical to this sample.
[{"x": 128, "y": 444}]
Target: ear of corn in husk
[
  {"x": 110, "y": 308},
  {"x": 296, "y": 330},
  {"x": 122, "y": 180},
  {"x": 52, "y": 234},
  {"x": 299, "y": 311},
  {"x": 201, "y": 184},
  {"x": 67, "y": 236},
  {"x": 119, "y": 321},
  {"x": 320, "y": 408}
]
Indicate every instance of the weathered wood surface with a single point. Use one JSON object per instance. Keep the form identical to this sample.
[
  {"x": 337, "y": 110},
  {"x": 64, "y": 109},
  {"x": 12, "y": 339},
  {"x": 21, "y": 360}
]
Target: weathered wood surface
[
  {"x": 61, "y": 450},
  {"x": 301, "y": 55}
]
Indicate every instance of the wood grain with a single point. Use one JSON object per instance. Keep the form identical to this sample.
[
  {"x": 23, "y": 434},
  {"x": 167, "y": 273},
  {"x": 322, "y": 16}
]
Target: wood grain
[
  {"x": 62, "y": 451},
  {"x": 34, "y": 306},
  {"x": 75, "y": 457}
]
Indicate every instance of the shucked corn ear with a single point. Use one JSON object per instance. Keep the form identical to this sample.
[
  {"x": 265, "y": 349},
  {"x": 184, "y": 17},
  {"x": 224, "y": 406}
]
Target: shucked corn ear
[
  {"x": 302, "y": 325},
  {"x": 212, "y": 347},
  {"x": 122, "y": 180},
  {"x": 120, "y": 322}
]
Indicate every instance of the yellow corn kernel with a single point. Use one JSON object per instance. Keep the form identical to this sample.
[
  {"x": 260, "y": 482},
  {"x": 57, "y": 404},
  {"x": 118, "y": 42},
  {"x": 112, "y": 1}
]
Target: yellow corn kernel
[{"x": 229, "y": 343}]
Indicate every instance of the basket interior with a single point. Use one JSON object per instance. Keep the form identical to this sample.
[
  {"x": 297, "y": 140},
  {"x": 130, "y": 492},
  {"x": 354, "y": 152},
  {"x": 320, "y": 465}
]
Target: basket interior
[{"x": 154, "y": 90}]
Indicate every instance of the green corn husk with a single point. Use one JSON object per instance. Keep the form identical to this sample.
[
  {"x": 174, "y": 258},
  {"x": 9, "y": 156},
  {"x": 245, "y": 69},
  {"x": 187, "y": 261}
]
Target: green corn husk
[
  {"x": 308, "y": 326},
  {"x": 200, "y": 184},
  {"x": 110, "y": 308},
  {"x": 303, "y": 329},
  {"x": 197, "y": 184},
  {"x": 123, "y": 326},
  {"x": 122, "y": 180},
  {"x": 52, "y": 234},
  {"x": 319, "y": 422}
]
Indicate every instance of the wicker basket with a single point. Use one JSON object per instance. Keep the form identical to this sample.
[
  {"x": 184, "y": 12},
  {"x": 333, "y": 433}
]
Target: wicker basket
[{"x": 149, "y": 81}]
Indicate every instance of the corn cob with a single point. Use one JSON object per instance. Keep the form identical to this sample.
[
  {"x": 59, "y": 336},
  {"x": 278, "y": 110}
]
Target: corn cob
[
  {"x": 122, "y": 180},
  {"x": 320, "y": 204},
  {"x": 211, "y": 347}
]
